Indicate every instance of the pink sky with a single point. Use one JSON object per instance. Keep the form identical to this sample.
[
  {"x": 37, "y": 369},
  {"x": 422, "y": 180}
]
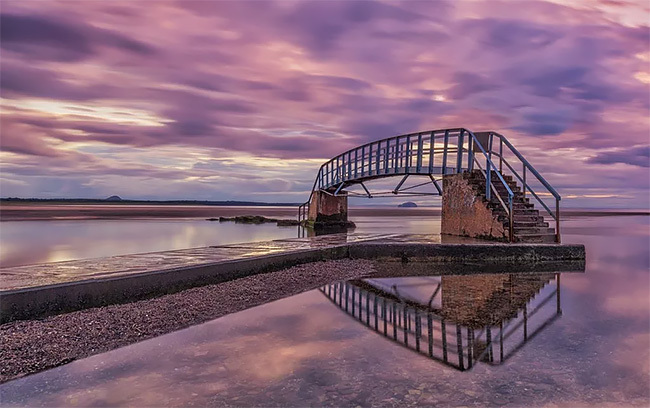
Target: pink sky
[{"x": 244, "y": 100}]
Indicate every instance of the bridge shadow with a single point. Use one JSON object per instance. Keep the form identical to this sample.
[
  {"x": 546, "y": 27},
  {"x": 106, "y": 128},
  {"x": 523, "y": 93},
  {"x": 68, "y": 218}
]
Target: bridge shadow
[{"x": 455, "y": 320}]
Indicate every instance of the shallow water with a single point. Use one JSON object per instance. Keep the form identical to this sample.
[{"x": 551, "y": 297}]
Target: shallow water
[
  {"x": 591, "y": 348},
  {"x": 52, "y": 240}
]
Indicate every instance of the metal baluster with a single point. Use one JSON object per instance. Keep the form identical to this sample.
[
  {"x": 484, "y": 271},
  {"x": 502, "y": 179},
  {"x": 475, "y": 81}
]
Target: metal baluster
[
  {"x": 525, "y": 322},
  {"x": 557, "y": 220},
  {"x": 524, "y": 186},
  {"x": 374, "y": 310},
  {"x": 394, "y": 322},
  {"x": 383, "y": 312},
  {"x": 459, "y": 158},
  {"x": 407, "y": 165},
  {"x": 356, "y": 162},
  {"x": 558, "y": 309},
  {"x": 368, "y": 308},
  {"x": 338, "y": 169},
  {"x": 444, "y": 152},
  {"x": 405, "y": 327},
  {"x": 488, "y": 179},
  {"x": 397, "y": 159},
  {"x": 470, "y": 152},
  {"x": 348, "y": 166},
  {"x": 432, "y": 144},
  {"x": 419, "y": 156},
  {"x": 459, "y": 342},
  {"x": 363, "y": 160},
  {"x": 470, "y": 346},
  {"x": 378, "y": 157},
  {"x": 488, "y": 340},
  {"x": 489, "y": 146},
  {"x": 500, "y": 155},
  {"x": 360, "y": 306},
  {"x": 353, "y": 300},
  {"x": 386, "y": 156},
  {"x": 417, "y": 330},
  {"x": 444, "y": 340},
  {"x": 430, "y": 333},
  {"x": 501, "y": 342}
]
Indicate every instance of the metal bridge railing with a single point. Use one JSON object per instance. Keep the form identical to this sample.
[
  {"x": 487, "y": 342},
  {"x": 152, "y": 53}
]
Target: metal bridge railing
[
  {"x": 445, "y": 151},
  {"x": 516, "y": 160}
]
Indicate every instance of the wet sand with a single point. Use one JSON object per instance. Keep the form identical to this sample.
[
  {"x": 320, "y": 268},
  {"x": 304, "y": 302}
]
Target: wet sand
[{"x": 27, "y": 347}]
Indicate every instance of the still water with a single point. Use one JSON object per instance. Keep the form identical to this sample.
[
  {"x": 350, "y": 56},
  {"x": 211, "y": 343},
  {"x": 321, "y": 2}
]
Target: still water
[
  {"x": 356, "y": 343},
  {"x": 54, "y": 239}
]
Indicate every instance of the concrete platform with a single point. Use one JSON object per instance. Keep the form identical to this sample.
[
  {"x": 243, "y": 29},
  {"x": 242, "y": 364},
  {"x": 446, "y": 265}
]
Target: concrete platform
[{"x": 38, "y": 290}]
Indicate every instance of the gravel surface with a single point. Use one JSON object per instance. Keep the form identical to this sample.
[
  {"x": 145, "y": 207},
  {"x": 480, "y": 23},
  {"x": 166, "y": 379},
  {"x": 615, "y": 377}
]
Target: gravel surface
[{"x": 30, "y": 346}]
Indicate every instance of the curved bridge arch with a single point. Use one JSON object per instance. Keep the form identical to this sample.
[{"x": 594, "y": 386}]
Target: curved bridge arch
[{"x": 431, "y": 153}]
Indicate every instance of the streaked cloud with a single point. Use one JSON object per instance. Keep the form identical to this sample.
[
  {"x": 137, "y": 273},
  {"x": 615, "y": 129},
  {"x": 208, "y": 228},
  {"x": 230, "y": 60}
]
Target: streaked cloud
[{"x": 201, "y": 96}]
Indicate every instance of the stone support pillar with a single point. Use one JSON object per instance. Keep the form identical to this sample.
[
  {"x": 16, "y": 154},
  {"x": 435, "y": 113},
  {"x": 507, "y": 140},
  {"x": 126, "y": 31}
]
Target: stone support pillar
[
  {"x": 326, "y": 210},
  {"x": 465, "y": 211}
]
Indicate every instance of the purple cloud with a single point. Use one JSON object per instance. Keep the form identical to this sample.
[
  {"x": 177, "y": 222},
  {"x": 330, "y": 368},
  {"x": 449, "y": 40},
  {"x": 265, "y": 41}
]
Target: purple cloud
[
  {"x": 45, "y": 38},
  {"x": 635, "y": 156},
  {"x": 307, "y": 80}
]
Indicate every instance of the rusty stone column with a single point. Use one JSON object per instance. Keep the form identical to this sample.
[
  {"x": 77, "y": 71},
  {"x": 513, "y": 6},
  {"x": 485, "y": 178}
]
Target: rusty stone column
[
  {"x": 326, "y": 210},
  {"x": 465, "y": 211}
]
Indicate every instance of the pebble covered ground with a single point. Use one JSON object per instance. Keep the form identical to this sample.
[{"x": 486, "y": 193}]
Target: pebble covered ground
[{"x": 31, "y": 346}]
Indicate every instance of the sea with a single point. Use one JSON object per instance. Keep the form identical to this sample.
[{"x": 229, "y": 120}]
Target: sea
[{"x": 558, "y": 338}]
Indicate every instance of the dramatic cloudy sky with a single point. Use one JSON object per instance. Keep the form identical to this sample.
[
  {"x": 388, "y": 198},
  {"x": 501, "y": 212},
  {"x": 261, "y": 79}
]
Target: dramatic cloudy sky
[{"x": 244, "y": 100}]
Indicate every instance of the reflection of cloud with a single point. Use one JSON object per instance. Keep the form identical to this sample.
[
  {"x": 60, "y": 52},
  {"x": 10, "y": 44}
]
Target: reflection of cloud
[{"x": 636, "y": 301}]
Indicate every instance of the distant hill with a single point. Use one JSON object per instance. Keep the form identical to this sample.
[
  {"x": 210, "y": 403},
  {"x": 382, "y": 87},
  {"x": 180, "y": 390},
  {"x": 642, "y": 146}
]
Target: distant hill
[
  {"x": 116, "y": 200},
  {"x": 408, "y": 204}
]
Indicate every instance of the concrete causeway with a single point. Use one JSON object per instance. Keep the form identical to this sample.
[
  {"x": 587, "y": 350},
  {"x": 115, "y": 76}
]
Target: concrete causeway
[{"x": 38, "y": 290}]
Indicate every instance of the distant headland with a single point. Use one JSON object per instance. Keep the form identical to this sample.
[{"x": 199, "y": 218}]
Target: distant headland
[
  {"x": 408, "y": 204},
  {"x": 117, "y": 200}
]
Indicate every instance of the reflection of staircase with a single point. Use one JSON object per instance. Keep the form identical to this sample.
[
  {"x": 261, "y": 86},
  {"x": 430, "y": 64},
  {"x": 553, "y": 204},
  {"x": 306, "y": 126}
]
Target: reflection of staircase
[{"x": 529, "y": 225}]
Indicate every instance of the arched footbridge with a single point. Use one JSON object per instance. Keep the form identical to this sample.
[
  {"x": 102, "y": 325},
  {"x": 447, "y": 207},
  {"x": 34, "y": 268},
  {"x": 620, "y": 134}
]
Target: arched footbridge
[{"x": 483, "y": 164}]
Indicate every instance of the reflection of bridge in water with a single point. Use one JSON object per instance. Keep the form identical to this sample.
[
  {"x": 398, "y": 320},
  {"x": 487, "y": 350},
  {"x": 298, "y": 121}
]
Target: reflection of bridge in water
[{"x": 456, "y": 320}]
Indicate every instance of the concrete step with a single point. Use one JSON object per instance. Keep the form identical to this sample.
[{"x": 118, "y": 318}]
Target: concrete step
[
  {"x": 517, "y": 211},
  {"x": 527, "y": 218},
  {"x": 515, "y": 205},
  {"x": 533, "y": 230},
  {"x": 524, "y": 224},
  {"x": 547, "y": 238},
  {"x": 480, "y": 181}
]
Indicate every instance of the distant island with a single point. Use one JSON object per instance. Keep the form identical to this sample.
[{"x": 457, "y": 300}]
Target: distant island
[
  {"x": 117, "y": 200},
  {"x": 408, "y": 204}
]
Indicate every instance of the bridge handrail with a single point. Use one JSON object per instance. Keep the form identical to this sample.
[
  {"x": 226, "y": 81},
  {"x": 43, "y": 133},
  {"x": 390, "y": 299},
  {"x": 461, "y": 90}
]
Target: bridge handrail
[
  {"x": 527, "y": 164},
  {"x": 525, "y": 186},
  {"x": 395, "y": 137}
]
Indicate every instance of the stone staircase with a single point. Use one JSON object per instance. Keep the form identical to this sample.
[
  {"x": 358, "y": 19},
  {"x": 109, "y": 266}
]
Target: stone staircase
[{"x": 529, "y": 224}]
